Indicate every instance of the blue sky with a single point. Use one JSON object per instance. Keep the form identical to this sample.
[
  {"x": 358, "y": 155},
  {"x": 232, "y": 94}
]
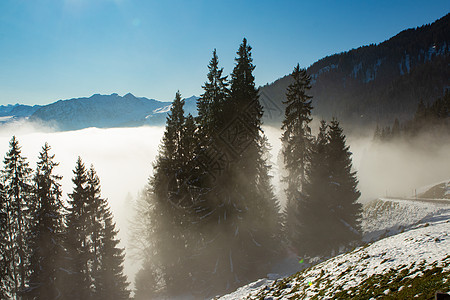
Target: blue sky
[{"x": 60, "y": 49}]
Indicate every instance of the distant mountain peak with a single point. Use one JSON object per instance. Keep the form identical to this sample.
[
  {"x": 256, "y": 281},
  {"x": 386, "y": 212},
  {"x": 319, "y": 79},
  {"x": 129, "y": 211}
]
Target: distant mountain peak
[{"x": 129, "y": 95}]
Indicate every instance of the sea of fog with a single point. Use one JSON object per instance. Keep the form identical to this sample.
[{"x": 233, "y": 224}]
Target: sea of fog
[{"x": 123, "y": 160}]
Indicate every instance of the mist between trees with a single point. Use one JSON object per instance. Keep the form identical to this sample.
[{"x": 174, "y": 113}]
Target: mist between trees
[{"x": 209, "y": 219}]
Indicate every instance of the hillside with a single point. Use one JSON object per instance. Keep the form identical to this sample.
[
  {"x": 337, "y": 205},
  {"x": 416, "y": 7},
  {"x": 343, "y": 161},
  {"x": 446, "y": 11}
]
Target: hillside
[
  {"x": 410, "y": 261},
  {"x": 375, "y": 83},
  {"x": 412, "y": 264}
]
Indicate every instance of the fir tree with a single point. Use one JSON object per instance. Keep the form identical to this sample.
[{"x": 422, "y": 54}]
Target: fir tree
[
  {"x": 168, "y": 208},
  {"x": 344, "y": 192},
  {"x": 189, "y": 141},
  {"x": 46, "y": 239},
  {"x": 211, "y": 102},
  {"x": 296, "y": 142},
  {"x": 108, "y": 279},
  {"x": 94, "y": 227},
  {"x": 111, "y": 279},
  {"x": 17, "y": 190},
  {"x": 236, "y": 205},
  {"x": 77, "y": 242},
  {"x": 329, "y": 216},
  {"x": 4, "y": 274},
  {"x": 312, "y": 221}
]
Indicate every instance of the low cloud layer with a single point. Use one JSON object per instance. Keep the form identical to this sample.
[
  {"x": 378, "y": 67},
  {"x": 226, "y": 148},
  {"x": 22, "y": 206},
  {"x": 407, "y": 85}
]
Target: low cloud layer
[{"x": 123, "y": 160}]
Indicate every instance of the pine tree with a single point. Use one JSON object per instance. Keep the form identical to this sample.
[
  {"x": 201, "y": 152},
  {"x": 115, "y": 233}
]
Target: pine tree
[
  {"x": 94, "y": 227},
  {"x": 168, "y": 207},
  {"x": 296, "y": 143},
  {"x": 108, "y": 280},
  {"x": 189, "y": 141},
  {"x": 313, "y": 229},
  {"x": 17, "y": 189},
  {"x": 4, "y": 274},
  {"x": 78, "y": 279},
  {"x": 112, "y": 282},
  {"x": 329, "y": 216},
  {"x": 236, "y": 204},
  {"x": 174, "y": 131},
  {"x": 211, "y": 102},
  {"x": 46, "y": 239},
  {"x": 344, "y": 192},
  {"x": 269, "y": 209}
]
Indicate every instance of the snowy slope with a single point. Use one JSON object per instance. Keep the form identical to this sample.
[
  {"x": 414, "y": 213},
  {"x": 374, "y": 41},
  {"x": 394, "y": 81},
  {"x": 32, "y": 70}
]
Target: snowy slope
[
  {"x": 414, "y": 248},
  {"x": 385, "y": 217},
  {"x": 409, "y": 254}
]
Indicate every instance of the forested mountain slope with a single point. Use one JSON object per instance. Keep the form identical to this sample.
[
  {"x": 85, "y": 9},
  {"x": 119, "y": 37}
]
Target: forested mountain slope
[{"x": 375, "y": 83}]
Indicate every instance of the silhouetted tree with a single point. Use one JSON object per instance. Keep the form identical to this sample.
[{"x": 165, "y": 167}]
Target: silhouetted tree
[
  {"x": 4, "y": 263},
  {"x": 329, "y": 216},
  {"x": 108, "y": 280},
  {"x": 211, "y": 102},
  {"x": 296, "y": 143},
  {"x": 344, "y": 192},
  {"x": 236, "y": 211},
  {"x": 16, "y": 177},
  {"x": 77, "y": 240},
  {"x": 313, "y": 227},
  {"x": 168, "y": 209},
  {"x": 46, "y": 233}
]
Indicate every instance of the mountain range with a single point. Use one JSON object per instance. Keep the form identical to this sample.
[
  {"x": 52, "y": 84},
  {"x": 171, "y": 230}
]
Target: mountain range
[
  {"x": 370, "y": 85},
  {"x": 102, "y": 111}
]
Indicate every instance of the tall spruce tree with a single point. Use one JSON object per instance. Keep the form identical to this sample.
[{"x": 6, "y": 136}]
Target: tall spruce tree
[
  {"x": 166, "y": 262},
  {"x": 46, "y": 238},
  {"x": 314, "y": 211},
  {"x": 296, "y": 142},
  {"x": 236, "y": 204},
  {"x": 77, "y": 239},
  {"x": 329, "y": 216},
  {"x": 108, "y": 280},
  {"x": 4, "y": 275},
  {"x": 94, "y": 228},
  {"x": 211, "y": 102},
  {"x": 16, "y": 177},
  {"x": 344, "y": 191},
  {"x": 111, "y": 282}
]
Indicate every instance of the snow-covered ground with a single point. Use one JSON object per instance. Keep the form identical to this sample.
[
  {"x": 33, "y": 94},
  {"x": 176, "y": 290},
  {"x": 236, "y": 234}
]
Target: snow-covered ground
[
  {"x": 418, "y": 240},
  {"x": 385, "y": 217}
]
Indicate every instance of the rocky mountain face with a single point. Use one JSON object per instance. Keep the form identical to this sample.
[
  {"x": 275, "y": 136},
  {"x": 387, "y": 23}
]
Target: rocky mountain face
[{"x": 375, "y": 83}]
